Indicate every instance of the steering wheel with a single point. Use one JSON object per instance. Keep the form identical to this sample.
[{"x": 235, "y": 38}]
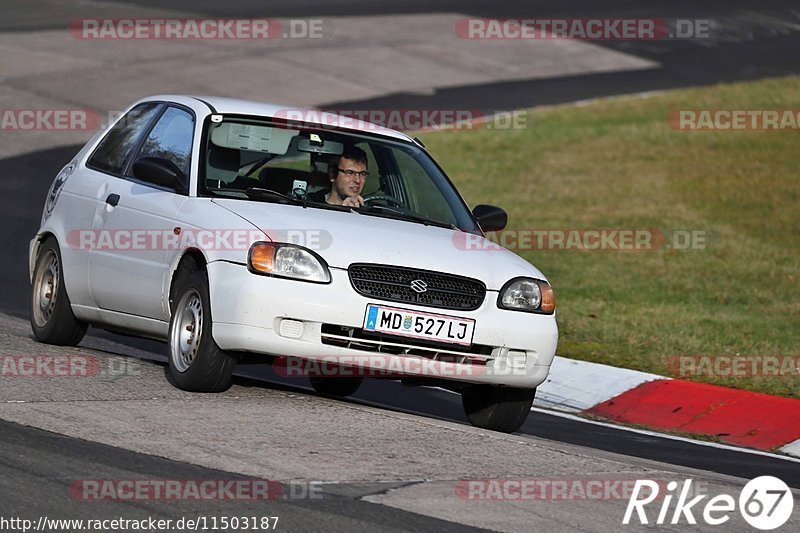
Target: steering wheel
[{"x": 384, "y": 198}]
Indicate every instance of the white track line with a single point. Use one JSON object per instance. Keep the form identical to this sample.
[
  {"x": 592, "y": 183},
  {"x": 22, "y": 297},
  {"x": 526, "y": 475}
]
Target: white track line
[{"x": 569, "y": 416}]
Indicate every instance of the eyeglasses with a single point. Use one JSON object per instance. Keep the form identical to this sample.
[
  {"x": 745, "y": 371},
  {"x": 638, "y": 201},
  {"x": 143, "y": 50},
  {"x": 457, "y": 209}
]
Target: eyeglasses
[{"x": 350, "y": 173}]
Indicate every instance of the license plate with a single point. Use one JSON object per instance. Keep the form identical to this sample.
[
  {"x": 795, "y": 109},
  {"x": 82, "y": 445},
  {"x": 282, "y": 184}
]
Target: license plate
[{"x": 403, "y": 322}]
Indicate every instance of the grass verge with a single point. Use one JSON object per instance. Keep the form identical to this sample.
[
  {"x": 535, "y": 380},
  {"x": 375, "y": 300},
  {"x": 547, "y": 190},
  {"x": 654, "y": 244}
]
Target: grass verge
[{"x": 617, "y": 164}]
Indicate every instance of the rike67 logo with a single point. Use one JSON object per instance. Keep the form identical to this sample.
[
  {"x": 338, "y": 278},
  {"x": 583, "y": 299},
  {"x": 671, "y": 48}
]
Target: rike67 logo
[{"x": 765, "y": 503}]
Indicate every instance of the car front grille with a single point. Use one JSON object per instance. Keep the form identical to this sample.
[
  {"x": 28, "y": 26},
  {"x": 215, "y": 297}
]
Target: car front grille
[
  {"x": 355, "y": 339},
  {"x": 394, "y": 284}
]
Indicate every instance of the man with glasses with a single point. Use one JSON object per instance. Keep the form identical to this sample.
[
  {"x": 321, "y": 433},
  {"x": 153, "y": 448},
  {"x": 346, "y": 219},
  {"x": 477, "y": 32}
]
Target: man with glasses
[{"x": 348, "y": 173}]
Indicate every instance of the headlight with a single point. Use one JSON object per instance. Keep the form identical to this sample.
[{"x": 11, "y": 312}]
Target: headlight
[
  {"x": 287, "y": 261},
  {"x": 525, "y": 294}
]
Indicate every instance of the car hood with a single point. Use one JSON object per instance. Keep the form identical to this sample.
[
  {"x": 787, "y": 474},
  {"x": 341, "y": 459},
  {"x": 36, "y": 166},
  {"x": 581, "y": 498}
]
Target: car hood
[{"x": 343, "y": 238}]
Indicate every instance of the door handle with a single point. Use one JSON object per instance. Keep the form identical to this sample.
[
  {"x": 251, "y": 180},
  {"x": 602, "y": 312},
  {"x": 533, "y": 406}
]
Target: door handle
[{"x": 112, "y": 200}]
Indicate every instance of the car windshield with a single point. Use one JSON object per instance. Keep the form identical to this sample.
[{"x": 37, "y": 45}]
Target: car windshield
[{"x": 256, "y": 159}]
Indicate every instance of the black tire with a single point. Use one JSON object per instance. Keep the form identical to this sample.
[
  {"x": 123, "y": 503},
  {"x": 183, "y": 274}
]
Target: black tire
[
  {"x": 340, "y": 387},
  {"x": 52, "y": 320},
  {"x": 497, "y": 408},
  {"x": 196, "y": 363}
]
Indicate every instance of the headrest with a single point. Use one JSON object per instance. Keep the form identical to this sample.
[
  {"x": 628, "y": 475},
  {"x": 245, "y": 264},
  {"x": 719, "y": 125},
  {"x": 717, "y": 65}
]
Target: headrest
[{"x": 223, "y": 164}]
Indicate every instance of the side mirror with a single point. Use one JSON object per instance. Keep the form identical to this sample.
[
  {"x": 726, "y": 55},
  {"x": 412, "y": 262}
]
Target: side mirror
[
  {"x": 490, "y": 218},
  {"x": 160, "y": 171}
]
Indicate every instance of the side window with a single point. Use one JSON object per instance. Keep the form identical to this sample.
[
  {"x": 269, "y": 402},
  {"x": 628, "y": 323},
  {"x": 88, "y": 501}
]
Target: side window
[
  {"x": 424, "y": 196},
  {"x": 113, "y": 151},
  {"x": 171, "y": 138}
]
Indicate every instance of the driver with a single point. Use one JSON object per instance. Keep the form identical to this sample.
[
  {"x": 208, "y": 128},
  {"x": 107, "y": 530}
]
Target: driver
[{"x": 348, "y": 173}]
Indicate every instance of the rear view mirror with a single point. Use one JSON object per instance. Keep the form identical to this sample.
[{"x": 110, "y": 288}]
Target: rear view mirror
[
  {"x": 320, "y": 147},
  {"x": 490, "y": 218},
  {"x": 160, "y": 171}
]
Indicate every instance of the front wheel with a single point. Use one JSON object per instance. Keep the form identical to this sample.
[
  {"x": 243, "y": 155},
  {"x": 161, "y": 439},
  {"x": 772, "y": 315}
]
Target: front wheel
[
  {"x": 196, "y": 363},
  {"x": 497, "y": 408},
  {"x": 52, "y": 320}
]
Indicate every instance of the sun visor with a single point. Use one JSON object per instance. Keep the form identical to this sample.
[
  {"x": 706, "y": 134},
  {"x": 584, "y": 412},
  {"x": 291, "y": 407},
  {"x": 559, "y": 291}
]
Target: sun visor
[{"x": 252, "y": 138}]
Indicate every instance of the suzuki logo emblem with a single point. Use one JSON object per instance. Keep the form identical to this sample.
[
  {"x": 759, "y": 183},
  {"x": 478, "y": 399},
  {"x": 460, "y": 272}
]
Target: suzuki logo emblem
[{"x": 419, "y": 286}]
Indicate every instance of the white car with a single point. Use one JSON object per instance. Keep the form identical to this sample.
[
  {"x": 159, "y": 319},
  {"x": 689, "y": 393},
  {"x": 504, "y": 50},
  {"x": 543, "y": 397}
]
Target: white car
[{"x": 205, "y": 222}]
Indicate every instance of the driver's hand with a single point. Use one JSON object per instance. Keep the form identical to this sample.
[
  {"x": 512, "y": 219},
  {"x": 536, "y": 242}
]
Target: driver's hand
[{"x": 353, "y": 201}]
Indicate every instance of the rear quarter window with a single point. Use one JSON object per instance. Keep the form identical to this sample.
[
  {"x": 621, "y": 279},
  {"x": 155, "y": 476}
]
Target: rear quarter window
[{"x": 114, "y": 150}]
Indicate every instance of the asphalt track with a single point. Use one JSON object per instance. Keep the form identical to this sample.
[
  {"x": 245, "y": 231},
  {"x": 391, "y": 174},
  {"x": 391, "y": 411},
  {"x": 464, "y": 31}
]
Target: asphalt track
[
  {"x": 33, "y": 466},
  {"x": 20, "y": 211},
  {"x": 750, "y": 41},
  {"x": 40, "y": 490}
]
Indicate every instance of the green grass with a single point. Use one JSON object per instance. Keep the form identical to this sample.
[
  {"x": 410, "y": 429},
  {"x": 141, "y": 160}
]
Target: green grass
[{"x": 615, "y": 163}]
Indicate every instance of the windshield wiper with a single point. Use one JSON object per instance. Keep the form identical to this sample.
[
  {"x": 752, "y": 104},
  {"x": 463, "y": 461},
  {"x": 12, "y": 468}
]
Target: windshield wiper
[
  {"x": 269, "y": 193},
  {"x": 304, "y": 201},
  {"x": 260, "y": 193},
  {"x": 402, "y": 215}
]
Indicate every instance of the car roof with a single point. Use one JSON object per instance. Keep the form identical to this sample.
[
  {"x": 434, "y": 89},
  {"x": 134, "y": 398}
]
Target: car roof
[{"x": 322, "y": 118}]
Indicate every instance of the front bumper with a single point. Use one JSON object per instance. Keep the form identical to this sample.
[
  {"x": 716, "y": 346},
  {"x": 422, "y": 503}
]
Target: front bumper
[{"x": 251, "y": 312}]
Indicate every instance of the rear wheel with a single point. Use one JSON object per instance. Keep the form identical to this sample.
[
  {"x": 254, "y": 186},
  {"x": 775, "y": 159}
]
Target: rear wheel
[
  {"x": 196, "y": 363},
  {"x": 52, "y": 320},
  {"x": 336, "y": 386},
  {"x": 497, "y": 408}
]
